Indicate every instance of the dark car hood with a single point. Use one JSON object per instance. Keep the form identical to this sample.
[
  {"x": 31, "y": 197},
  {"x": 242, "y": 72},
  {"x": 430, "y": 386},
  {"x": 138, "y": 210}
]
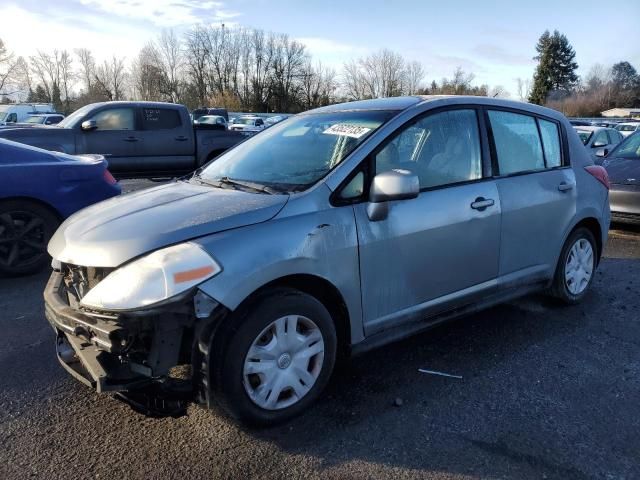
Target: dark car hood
[
  {"x": 110, "y": 233},
  {"x": 623, "y": 171}
]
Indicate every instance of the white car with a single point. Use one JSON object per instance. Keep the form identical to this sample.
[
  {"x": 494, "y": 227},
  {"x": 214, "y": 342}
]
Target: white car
[
  {"x": 247, "y": 124},
  {"x": 627, "y": 128},
  {"x": 44, "y": 119},
  {"x": 18, "y": 112}
]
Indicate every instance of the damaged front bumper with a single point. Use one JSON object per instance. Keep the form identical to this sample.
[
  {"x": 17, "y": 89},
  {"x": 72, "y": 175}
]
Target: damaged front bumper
[{"x": 150, "y": 358}]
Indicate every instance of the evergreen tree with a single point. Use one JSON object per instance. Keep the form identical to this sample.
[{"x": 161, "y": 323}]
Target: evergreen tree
[
  {"x": 55, "y": 97},
  {"x": 624, "y": 76},
  {"x": 556, "y": 70},
  {"x": 39, "y": 95}
]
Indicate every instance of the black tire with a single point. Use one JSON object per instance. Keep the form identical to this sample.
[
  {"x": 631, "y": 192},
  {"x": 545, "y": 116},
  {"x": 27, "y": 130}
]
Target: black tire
[
  {"x": 233, "y": 340},
  {"x": 31, "y": 245},
  {"x": 559, "y": 288}
]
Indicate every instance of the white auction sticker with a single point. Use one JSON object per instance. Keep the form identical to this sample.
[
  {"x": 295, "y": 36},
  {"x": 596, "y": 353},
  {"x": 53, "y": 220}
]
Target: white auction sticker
[{"x": 346, "y": 130}]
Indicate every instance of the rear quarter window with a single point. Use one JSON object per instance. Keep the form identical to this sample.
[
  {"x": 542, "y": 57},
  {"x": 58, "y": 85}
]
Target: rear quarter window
[
  {"x": 160, "y": 119},
  {"x": 551, "y": 143}
]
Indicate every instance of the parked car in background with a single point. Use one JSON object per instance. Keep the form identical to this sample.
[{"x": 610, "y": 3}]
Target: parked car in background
[
  {"x": 137, "y": 138},
  {"x": 247, "y": 124},
  {"x": 270, "y": 121},
  {"x": 18, "y": 112},
  {"x": 44, "y": 119},
  {"x": 579, "y": 123},
  {"x": 623, "y": 167},
  {"x": 627, "y": 128},
  {"x": 38, "y": 190},
  {"x": 331, "y": 233},
  {"x": 595, "y": 138},
  {"x": 200, "y": 112},
  {"x": 212, "y": 122}
]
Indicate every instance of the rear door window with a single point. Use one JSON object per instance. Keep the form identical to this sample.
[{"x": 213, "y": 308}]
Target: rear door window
[
  {"x": 160, "y": 119},
  {"x": 517, "y": 142}
]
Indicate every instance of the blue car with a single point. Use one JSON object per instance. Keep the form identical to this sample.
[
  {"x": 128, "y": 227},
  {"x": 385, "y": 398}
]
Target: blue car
[{"x": 38, "y": 190}]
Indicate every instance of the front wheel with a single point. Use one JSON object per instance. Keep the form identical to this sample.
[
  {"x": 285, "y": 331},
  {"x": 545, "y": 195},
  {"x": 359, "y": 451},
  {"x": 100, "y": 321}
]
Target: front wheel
[
  {"x": 278, "y": 358},
  {"x": 576, "y": 267}
]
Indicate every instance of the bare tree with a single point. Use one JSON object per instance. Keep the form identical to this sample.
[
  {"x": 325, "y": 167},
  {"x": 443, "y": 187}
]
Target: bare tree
[
  {"x": 414, "y": 73},
  {"x": 318, "y": 85},
  {"x": 7, "y": 65},
  {"x": 87, "y": 67},
  {"x": 46, "y": 69},
  {"x": 381, "y": 74},
  {"x": 289, "y": 60},
  {"x": 110, "y": 78},
  {"x": 524, "y": 88},
  {"x": 146, "y": 77},
  {"x": 67, "y": 76},
  {"x": 170, "y": 60},
  {"x": 197, "y": 55}
]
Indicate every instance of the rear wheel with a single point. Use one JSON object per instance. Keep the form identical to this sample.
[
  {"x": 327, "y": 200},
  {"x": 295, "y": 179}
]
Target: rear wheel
[
  {"x": 576, "y": 267},
  {"x": 25, "y": 230},
  {"x": 278, "y": 358}
]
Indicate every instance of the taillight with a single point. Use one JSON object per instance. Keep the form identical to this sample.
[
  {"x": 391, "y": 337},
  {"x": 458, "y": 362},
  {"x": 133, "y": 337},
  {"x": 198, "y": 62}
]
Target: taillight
[
  {"x": 109, "y": 178},
  {"x": 600, "y": 173}
]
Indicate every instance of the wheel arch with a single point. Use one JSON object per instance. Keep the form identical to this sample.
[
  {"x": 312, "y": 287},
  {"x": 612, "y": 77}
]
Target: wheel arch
[
  {"x": 322, "y": 290},
  {"x": 593, "y": 225},
  {"x": 35, "y": 201}
]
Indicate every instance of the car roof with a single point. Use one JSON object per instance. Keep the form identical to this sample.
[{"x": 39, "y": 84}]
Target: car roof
[
  {"x": 403, "y": 103},
  {"x": 629, "y": 123}
]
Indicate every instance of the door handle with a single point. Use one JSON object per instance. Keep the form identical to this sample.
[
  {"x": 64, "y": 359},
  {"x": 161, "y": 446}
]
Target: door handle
[
  {"x": 181, "y": 139},
  {"x": 131, "y": 139},
  {"x": 482, "y": 203},
  {"x": 565, "y": 187}
]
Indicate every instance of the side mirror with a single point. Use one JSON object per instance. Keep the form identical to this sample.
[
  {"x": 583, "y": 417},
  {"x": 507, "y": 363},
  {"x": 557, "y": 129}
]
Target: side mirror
[
  {"x": 389, "y": 186},
  {"x": 89, "y": 125},
  {"x": 601, "y": 152},
  {"x": 598, "y": 145}
]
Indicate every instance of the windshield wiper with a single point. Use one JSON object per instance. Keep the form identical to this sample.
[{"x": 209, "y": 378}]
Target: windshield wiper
[
  {"x": 258, "y": 187},
  {"x": 233, "y": 183}
]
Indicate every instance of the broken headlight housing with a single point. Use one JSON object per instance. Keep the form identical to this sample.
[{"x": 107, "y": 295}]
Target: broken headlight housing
[{"x": 153, "y": 278}]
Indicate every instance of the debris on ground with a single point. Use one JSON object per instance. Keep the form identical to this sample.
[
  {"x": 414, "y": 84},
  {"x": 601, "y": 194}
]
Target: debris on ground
[
  {"x": 398, "y": 402},
  {"x": 442, "y": 374}
]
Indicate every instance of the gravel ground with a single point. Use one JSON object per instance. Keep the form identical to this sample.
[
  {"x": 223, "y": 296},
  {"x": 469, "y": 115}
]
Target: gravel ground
[{"x": 547, "y": 392}]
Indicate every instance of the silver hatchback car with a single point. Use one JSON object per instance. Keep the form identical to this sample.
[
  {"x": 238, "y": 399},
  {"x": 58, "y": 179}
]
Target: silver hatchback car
[{"x": 330, "y": 233}]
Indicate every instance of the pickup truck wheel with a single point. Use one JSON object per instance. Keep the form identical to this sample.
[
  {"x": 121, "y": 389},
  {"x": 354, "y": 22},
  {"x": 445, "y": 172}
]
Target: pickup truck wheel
[
  {"x": 576, "y": 267},
  {"x": 25, "y": 230},
  {"x": 279, "y": 357}
]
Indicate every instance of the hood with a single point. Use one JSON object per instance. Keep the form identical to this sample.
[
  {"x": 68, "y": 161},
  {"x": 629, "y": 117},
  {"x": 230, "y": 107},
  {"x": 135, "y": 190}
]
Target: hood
[
  {"x": 623, "y": 171},
  {"x": 110, "y": 233}
]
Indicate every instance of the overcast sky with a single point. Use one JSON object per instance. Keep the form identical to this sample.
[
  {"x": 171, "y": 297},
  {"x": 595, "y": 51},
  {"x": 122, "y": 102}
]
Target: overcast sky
[{"x": 495, "y": 40}]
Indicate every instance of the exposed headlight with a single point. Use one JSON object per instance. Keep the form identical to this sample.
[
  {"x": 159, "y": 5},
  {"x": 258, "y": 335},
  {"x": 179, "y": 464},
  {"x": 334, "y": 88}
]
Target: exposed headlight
[{"x": 152, "y": 278}]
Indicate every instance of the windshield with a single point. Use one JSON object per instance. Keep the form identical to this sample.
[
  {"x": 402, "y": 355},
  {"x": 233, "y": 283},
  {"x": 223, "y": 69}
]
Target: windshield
[
  {"x": 629, "y": 148},
  {"x": 626, "y": 128},
  {"x": 584, "y": 136},
  {"x": 34, "y": 119},
  {"x": 297, "y": 152},
  {"x": 71, "y": 120}
]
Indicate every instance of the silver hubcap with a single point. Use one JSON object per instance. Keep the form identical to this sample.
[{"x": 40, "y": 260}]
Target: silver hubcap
[
  {"x": 579, "y": 267},
  {"x": 283, "y": 362}
]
